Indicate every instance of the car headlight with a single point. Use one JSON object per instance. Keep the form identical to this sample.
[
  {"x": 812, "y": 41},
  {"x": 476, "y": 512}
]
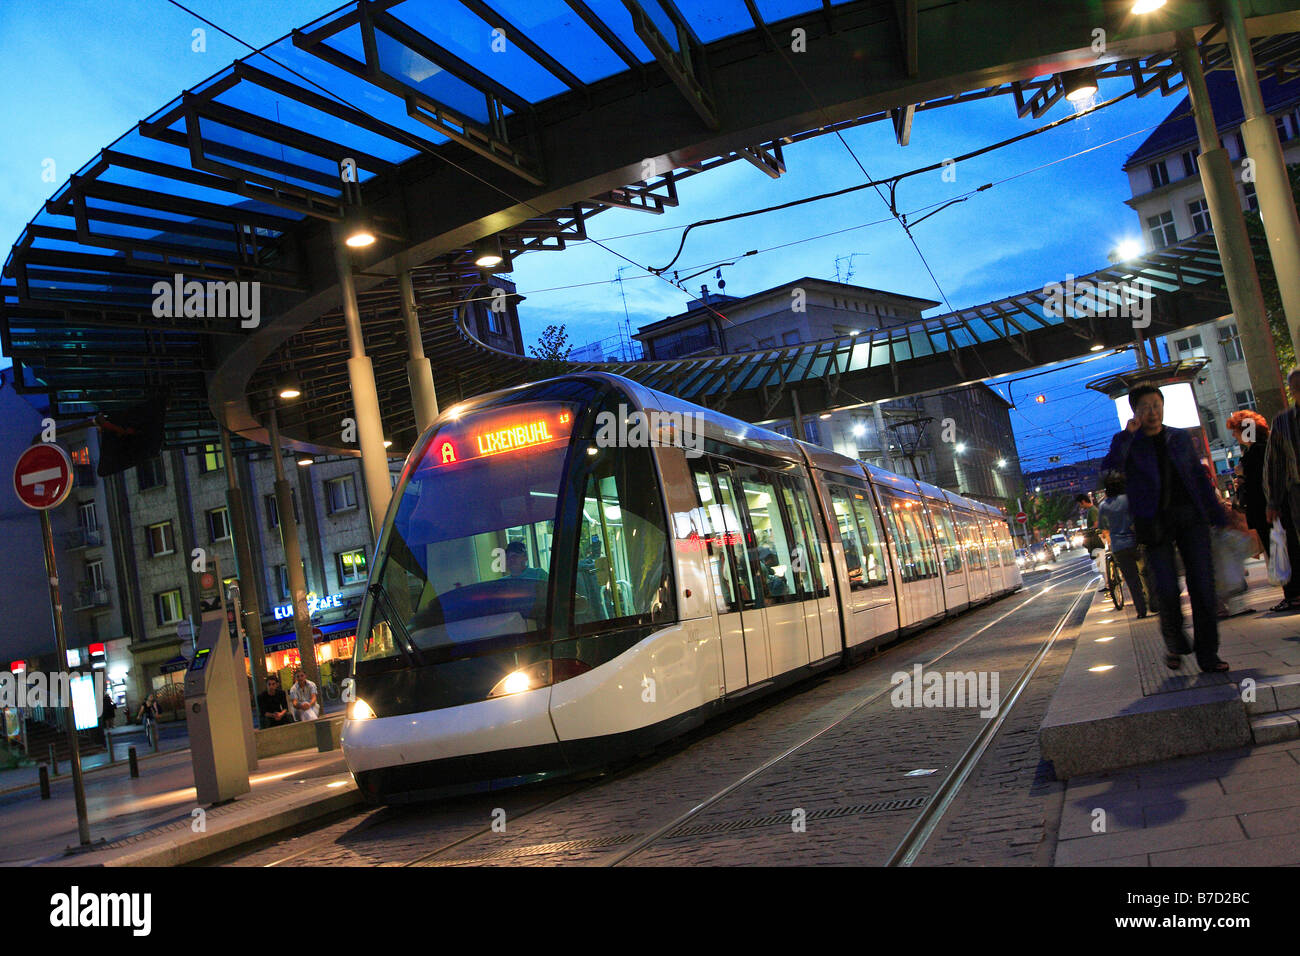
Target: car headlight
[{"x": 359, "y": 710}]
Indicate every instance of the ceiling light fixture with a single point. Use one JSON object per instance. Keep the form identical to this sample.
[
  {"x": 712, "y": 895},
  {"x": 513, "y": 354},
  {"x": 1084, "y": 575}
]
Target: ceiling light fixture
[{"x": 1080, "y": 85}]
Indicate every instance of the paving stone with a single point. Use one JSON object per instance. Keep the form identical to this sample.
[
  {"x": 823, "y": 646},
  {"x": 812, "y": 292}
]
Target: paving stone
[
  {"x": 1274, "y": 727},
  {"x": 1101, "y": 848},
  {"x": 1280, "y": 821},
  {"x": 1264, "y": 703},
  {"x": 1261, "y": 780},
  {"x": 1287, "y": 693},
  {"x": 1263, "y": 852},
  {"x": 1223, "y": 805}
]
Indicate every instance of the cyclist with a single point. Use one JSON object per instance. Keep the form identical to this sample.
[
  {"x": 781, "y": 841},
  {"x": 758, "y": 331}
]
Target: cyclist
[
  {"x": 1092, "y": 542},
  {"x": 1118, "y": 526}
]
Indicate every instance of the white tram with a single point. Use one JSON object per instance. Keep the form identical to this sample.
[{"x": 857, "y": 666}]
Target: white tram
[{"x": 578, "y": 569}]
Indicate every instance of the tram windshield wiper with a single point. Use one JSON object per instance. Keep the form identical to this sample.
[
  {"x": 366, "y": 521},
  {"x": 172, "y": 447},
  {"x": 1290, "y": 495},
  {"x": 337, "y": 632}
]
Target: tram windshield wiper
[{"x": 385, "y": 606}]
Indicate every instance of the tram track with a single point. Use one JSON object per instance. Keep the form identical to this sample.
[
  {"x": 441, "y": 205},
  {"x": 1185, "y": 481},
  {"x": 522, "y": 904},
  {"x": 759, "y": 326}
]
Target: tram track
[
  {"x": 934, "y": 808},
  {"x": 621, "y": 847}
]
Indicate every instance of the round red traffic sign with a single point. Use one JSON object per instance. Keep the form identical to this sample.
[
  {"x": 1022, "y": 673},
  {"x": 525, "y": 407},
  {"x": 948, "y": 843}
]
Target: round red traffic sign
[
  {"x": 1022, "y": 517},
  {"x": 317, "y": 634},
  {"x": 43, "y": 476}
]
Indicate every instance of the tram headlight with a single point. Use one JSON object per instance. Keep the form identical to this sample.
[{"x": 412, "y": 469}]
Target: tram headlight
[
  {"x": 359, "y": 710},
  {"x": 525, "y": 678}
]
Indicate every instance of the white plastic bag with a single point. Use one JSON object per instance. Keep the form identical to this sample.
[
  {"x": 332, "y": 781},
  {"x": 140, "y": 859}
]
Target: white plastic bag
[
  {"x": 1231, "y": 549},
  {"x": 1279, "y": 562}
]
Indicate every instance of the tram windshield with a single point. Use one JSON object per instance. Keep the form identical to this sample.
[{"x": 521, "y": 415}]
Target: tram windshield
[{"x": 469, "y": 553}]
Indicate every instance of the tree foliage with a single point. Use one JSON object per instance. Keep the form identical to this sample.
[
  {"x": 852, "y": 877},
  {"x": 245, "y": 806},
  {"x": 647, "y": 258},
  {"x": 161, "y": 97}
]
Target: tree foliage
[
  {"x": 1049, "y": 512},
  {"x": 552, "y": 349}
]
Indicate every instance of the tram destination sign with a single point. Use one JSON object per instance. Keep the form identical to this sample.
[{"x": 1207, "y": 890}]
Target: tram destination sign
[
  {"x": 525, "y": 427},
  {"x": 43, "y": 476}
]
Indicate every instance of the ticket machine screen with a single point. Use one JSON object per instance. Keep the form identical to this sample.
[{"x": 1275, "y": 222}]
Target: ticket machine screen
[{"x": 200, "y": 660}]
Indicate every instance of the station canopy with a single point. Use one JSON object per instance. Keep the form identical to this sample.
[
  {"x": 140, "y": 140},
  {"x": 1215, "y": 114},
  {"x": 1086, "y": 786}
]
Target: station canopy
[{"x": 516, "y": 121}]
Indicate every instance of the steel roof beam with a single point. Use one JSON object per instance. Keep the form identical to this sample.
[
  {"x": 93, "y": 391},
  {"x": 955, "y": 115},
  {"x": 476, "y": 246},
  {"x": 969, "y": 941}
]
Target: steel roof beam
[
  {"x": 607, "y": 36},
  {"x": 681, "y": 68},
  {"x": 521, "y": 39}
]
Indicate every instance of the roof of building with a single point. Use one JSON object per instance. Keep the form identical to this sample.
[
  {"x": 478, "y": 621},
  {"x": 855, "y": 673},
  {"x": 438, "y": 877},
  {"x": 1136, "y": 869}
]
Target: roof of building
[
  {"x": 1179, "y": 129},
  {"x": 716, "y": 298}
]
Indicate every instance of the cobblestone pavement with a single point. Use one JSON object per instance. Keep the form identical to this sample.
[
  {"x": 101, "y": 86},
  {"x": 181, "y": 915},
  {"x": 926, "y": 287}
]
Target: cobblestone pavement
[{"x": 846, "y": 797}]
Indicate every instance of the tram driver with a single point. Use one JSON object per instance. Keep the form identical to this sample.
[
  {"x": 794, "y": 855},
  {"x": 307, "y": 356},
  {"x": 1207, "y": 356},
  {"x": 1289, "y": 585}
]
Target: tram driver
[{"x": 517, "y": 563}]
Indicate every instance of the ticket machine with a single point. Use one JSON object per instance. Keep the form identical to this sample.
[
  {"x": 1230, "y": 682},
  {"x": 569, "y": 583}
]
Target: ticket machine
[
  {"x": 217, "y": 707},
  {"x": 212, "y": 709}
]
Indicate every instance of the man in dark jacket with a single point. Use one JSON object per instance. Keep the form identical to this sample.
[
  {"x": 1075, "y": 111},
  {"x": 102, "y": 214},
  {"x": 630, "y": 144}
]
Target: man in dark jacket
[{"x": 1173, "y": 503}]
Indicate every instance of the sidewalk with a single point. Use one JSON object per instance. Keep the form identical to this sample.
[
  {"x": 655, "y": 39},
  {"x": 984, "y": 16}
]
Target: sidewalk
[
  {"x": 1233, "y": 805},
  {"x": 153, "y": 820}
]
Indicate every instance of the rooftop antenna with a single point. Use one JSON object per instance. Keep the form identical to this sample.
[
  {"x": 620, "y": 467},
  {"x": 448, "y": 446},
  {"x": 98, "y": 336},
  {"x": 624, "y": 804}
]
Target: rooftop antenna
[
  {"x": 627, "y": 319},
  {"x": 848, "y": 273}
]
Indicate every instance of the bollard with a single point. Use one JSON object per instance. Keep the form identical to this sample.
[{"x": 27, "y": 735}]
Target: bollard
[
  {"x": 108, "y": 739},
  {"x": 131, "y": 759},
  {"x": 45, "y": 782},
  {"x": 54, "y": 761}
]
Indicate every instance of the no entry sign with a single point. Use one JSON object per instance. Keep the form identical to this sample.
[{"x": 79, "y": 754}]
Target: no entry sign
[
  {"x": 43, "y": 476},
  {"x": 1022, "y": 517}
]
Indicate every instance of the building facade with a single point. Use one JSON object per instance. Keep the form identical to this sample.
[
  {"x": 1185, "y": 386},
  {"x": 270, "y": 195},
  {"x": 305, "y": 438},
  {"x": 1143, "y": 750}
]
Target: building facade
[
  {"x": 960, "y": 439},
  {"x": 1169, "y": 200}
]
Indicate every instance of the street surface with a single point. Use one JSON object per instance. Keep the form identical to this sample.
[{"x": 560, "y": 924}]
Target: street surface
[{"x": 851, "y": 781}]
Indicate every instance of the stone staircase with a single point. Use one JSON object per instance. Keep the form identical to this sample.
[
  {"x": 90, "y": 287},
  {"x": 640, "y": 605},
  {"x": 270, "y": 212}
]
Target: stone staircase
[{"x": 1275, "y": 712}]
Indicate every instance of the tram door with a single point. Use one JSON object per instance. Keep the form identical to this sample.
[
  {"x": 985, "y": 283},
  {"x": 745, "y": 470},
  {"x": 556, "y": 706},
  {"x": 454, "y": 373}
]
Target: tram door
[
  {"x": 742, "y": 629},
  {"x": 780, "y": 568}
]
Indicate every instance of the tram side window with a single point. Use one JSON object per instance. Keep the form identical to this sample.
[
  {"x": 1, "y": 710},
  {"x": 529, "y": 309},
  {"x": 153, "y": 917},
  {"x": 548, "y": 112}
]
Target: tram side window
[
  {"x": 809, "y": 566},
  {"x": 771, "y": 545},
  {"x": 974, "y": 546},
  {"x": 876, "y": 566},
  {"x": 907, "y": 556},
  {"x": 715, "y": 523},
  {"x": 995, "y": 560},
  {"x": 745, "y": 563},
  {"x": 623, "y": 569},
  {"x": 919, "y": 538},
  {"x": 947, "y": 535},
  {"x": 1008, "y": 546},
  {"x": 848, "y": 535}
]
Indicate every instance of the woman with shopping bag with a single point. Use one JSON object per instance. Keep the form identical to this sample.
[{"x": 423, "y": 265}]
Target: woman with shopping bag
[{"x": 1282, "y": 495}]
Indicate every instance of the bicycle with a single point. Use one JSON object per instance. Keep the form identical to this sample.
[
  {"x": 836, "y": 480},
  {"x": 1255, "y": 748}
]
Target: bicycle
[{"x": 1114, "y": 581}]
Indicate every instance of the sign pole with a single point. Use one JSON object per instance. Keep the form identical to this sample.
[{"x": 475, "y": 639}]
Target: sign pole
[{"x": 56, "y": 608}]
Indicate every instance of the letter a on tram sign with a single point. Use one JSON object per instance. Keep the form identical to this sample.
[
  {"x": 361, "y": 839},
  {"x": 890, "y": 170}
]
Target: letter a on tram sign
[{"x": 43, "y": 476}]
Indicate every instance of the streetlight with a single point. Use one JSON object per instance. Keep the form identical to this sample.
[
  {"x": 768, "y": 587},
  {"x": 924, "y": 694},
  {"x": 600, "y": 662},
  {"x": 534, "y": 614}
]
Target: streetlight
[
  {"x": 1147, "y": 6},
  {"x": 1080, "y": 85}
]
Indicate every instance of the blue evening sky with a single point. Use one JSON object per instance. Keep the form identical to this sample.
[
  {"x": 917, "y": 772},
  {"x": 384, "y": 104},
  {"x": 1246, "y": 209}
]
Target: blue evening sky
[{"x": 79, "y": 73}]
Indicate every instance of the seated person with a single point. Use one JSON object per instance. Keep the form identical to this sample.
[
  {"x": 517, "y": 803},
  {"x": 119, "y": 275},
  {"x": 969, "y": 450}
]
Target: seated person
[
  {"x": 517, "y": 563},
  {"x": 775, "y": 583},
  {"x": 273, "y": 705}
]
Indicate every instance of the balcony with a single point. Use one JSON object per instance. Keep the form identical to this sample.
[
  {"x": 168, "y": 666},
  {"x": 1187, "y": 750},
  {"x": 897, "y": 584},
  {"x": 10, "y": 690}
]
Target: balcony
[
  {"x": 83, "y": 538},
  {"x": 88, "y": 597}
]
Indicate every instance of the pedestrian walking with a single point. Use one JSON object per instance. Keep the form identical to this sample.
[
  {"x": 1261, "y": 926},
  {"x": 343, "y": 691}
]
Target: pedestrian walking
[
  {"x": 1173, "y": 504},
  {"x": 1250, "y": 429},
  {"x": 1282, "y": 486}
]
